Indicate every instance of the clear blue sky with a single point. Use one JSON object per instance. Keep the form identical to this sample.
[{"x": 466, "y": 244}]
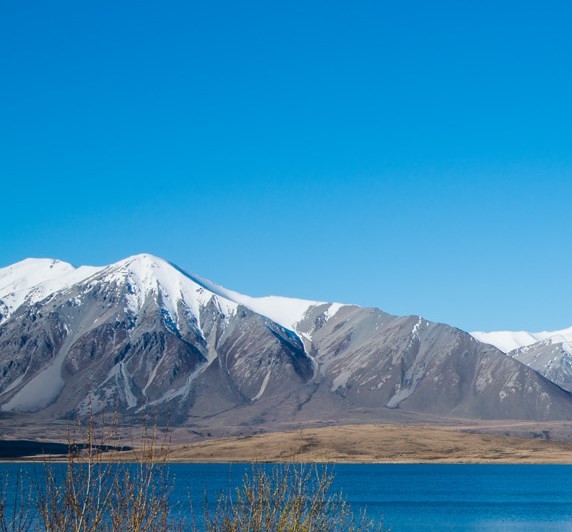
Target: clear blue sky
[{"x": 414, "y": 156}]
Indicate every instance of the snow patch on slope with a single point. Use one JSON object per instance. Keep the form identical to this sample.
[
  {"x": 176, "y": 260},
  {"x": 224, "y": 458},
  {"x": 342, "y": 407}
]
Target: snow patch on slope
[
  {"x": 285, "y": 311},
  {"x": 263, "y": 386}
]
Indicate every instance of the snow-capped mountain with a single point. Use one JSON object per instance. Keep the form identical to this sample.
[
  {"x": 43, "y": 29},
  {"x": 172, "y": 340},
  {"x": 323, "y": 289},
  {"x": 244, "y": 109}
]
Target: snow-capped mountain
[
  {"x": 143, "y": 336},
  {"x": 142, "y": 303},
  {"x": 508, "y": 341},
  {"x": 549, "y": 353},
  {"x": 32, "y": 280}
]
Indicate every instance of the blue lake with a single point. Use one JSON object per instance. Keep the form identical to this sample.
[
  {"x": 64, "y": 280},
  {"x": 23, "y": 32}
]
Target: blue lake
[{"x": 411, "y": 498}]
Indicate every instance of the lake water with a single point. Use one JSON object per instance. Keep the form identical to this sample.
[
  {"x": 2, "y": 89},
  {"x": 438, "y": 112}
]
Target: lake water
[{"x": 487, "y": 498}]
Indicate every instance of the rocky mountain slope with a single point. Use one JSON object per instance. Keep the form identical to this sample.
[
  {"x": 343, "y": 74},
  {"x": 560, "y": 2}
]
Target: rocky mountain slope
[
  {"x": 144, "y": 337},
  {"x": 549, "y": 353}
]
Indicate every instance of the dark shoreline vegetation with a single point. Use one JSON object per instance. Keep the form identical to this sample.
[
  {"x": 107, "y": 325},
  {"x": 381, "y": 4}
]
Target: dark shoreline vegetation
[
  {"x": 87, "y": 490},
  {"x": 31, "y": 449}
]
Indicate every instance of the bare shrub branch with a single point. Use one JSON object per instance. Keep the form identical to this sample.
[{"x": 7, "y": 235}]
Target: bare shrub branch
[
  {"x": 286, "y": 498},
  {"x": 15, "y": 512},
  {"x": 94, "y": 492}
]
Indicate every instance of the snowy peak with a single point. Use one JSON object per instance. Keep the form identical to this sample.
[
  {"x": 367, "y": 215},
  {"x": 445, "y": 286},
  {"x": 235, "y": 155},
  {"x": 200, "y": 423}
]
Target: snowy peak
[
  {"x": 144, "y": 275},
  {"x": 508, "y": 341},
  {"x": 32, "y": 280},
  {"x": 30, "y": 272},
  {"x": 548, "y": 353}
]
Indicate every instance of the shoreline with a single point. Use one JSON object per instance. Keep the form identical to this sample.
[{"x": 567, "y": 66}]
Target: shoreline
[{"x": 347, "y": 444}]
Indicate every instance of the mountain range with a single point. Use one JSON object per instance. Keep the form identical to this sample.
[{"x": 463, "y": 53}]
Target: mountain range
[{"x": 143, "y": 337}]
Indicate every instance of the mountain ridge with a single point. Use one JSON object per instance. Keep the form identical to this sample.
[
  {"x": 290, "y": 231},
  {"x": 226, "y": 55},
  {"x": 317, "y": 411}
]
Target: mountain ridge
[{"x": 144, "y": 336}]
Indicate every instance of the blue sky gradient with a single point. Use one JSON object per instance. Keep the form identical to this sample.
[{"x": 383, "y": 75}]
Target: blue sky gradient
[{"x": 413, "y": 156}]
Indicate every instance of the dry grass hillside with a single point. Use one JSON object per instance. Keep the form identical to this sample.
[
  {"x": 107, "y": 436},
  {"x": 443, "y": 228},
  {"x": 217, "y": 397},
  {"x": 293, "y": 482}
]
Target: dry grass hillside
[{"x": 377, "y": 443}]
